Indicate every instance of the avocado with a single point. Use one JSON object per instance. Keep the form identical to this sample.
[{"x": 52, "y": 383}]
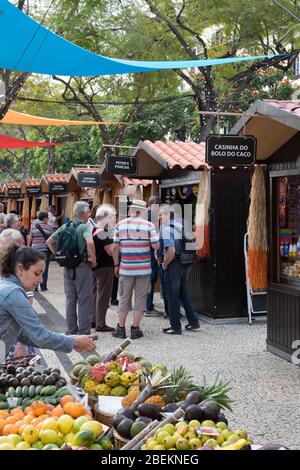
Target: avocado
[
  {"x": 117, "y": 419},
  {"x": 137, "y": 427},
  {"x": 25, "y": 382},
  {"x": 144, "y": 419},
  {"x": 11, "y": 369},
  {"x": 128, "y": 413},
  {"x": 152, "y": 411},
  {"x": 124, "y": 428},
  {"x": 37, "y": 380},
  {"x": 13, "y": 382},
  {"x": 192, "y": 398},
  {"x": 170, "y": 408},
  {"x": 3, "y": 382},
  {"x": 194, "y": 412},
  {"x": 50, "y": 380}
]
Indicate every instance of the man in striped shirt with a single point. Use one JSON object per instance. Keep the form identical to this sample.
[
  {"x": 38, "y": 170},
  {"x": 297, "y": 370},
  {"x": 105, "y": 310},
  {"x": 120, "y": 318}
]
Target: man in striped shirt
[{"x": 133, "y": 239}]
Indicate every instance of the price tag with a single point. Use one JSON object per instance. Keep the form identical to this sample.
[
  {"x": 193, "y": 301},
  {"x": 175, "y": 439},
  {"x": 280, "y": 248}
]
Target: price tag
[{"x": 207, "y": 431}]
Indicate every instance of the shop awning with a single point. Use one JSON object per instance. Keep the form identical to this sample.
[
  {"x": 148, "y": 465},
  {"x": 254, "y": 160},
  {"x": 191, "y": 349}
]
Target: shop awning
[
  {"x": 7, "y": 142},
  {"x": 276, "y": 123},
  {"x": 14, "y": 117},
  {"x": 27, "y": 46},
  {"x": 156, "y": 158}
]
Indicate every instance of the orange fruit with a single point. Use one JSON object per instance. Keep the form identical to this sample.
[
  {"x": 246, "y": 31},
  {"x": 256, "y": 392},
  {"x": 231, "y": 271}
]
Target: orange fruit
[
  {"x": 2, "y": 424},
  {"x": 10, "y": 429},
  {"x": 74, "y": 409},
  {"x": 11, "y": 420},
  {"x": 58, "y": 411},
  {"x": 19, "y": 416},
  {"x": 66, "y": 399},
  {"x": 17, "y": 411},
  {"x": 4, "y": 414},
  {"x": 19, "y": 424}
]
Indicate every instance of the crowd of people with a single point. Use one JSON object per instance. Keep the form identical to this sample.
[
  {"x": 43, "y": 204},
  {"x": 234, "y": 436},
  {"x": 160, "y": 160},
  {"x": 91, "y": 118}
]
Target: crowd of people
[{"x": 108, "y": 257}]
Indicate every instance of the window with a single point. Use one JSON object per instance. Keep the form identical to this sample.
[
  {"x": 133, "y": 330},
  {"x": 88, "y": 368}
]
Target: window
[{"x": 289, "y": 229}]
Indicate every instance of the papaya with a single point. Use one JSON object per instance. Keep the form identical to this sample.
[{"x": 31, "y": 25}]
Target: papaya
[
  {"x": 2, "y": 397},
  {"x": 137, "y": 427},
  {"x": 3, "y": 405},
  {"x": 84, "y": 438},
  {"x": 19, "y": 392},
  {"x": 31, "y": 391},
  {"x": 25, "y": 391}
]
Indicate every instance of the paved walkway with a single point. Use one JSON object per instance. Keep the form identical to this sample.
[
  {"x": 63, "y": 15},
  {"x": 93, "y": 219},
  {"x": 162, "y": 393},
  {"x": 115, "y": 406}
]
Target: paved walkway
[{"x": 265, "y": 388}]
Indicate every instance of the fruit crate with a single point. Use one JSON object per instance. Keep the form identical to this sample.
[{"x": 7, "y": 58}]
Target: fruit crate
[
  {"x": 21, "y": 361},
  {"x": 119, "y": 441}
]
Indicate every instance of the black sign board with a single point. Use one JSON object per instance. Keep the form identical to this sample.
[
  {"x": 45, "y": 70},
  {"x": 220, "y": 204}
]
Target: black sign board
[
  {"x": 34, "y": 190},
  {"x": 230, "y": 150},
  {"x": 88, "y": 180},
  {"x": 14, "y": 192},
  {"x": 122, "y": 165},
  {"x": 58, "y": 188}
]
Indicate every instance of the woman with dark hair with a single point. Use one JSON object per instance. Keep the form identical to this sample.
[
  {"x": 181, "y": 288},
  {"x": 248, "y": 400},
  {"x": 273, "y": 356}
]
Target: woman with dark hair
[
  {"x": 21, "y": 270},
  {"x": 40, "y": 231}
]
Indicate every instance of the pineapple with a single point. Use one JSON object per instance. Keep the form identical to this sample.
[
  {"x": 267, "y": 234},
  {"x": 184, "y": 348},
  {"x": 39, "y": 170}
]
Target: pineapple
[
  {"x": 131, "y": 397},
  {"x": 156, "y": 400},
  {"x": 217, "y": 393},
  {"x": 183, "y": 384}
]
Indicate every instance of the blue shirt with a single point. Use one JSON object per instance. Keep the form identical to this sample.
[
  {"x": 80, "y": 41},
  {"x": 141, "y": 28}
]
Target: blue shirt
[
  {"x": 19, "y": 321},
  {"x": 171, "y": 236}
]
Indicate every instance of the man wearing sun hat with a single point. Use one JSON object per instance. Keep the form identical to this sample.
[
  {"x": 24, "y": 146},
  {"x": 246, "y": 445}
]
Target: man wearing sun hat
[{"x": 133, "y": 240}]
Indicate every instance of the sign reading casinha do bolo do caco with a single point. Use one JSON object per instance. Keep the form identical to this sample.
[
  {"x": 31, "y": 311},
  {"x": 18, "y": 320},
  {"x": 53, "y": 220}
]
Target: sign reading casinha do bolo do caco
[{"x": 230, "y": 150}]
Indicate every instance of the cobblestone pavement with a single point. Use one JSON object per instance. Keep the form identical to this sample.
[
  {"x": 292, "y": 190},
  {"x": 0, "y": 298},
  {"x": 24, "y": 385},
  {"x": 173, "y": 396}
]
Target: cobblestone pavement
[{"x": 265, "y": 388}]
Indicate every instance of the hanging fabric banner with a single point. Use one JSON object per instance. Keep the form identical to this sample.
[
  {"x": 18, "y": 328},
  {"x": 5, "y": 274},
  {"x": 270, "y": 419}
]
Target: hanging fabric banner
[
  {"x": 13, "y": 117},
  {"x": 27, "y": 46},
  {"x": 7, "y": 142}
]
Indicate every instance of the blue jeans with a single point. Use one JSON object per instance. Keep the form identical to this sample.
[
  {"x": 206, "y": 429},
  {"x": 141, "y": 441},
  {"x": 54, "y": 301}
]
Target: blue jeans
[
  {"x": 154, "y": 275},
  {"x": 45, "y": 273},
  {"x": 176, "y": 291},
  {"x": 163, "y": 288}
]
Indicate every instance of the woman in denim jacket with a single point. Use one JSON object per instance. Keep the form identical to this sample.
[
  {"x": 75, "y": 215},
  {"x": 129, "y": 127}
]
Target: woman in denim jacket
[{"x": 21, "y": 270}]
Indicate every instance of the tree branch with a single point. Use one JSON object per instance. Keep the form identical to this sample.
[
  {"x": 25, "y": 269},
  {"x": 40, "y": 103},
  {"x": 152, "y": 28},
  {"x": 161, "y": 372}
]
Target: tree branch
[
  {"x": 7, "y": 170},
  {"x": 286, "y": 10}
]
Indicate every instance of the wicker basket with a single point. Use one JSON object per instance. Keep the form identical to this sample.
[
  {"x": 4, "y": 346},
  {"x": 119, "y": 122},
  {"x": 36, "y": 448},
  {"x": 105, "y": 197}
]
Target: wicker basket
[
  {"x": 119, "y": 441},
  {"x": 74, "y": 380},
  {"x": 92, "y": 402},
  {"x": 102, "y": 417}
]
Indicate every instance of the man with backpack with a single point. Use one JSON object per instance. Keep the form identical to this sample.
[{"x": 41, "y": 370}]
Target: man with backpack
[
  {"x": 176, "y": 259},
  {"x": 74, "y": 249}
]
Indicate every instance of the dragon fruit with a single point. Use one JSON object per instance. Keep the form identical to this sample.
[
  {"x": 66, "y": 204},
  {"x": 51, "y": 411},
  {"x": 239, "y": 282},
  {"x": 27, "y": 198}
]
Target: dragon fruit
[
  {"x": 133, "y": 367},
  {"x": 98, "y": 372},
  {"x": 125, "y": 360}
]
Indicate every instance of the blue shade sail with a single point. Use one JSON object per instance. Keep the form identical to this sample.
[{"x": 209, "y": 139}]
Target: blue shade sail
[{"x": 26, "y": 46}]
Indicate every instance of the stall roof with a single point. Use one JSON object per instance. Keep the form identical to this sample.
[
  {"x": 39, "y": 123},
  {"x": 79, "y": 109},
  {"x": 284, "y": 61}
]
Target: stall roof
[
  {"x": 156, "y": 157},
  {"x": 76, "y": 170},
  {"x": 12, "y": 185},
  {"x": 31, "y": 182},
  {"x": 136, "y": 182},
  {"x": 57, "y": 178},
  {"x": 276, "y": 123}
]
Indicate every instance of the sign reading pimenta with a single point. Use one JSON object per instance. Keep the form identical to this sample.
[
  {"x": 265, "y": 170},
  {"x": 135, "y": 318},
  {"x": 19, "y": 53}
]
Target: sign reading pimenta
[
  {"x": 122, "y": 165},
  {"x": 230, "y": 150}
]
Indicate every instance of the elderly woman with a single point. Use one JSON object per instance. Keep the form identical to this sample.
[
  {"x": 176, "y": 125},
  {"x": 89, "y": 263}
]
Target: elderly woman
[
  {"x": 22, "y": 270},
  {"x": 40, "y": 231},
  {"x": 12, "y": 221},
  {"x": 103, "y": 274}
]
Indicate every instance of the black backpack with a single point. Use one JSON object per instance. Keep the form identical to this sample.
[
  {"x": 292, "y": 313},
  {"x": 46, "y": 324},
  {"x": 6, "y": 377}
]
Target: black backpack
[
  {"x": 67, "y": 252},
  {"x": 187, "y": 252}
]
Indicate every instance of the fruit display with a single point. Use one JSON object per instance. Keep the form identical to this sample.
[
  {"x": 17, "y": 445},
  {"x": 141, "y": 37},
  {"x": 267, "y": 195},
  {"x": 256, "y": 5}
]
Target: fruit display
[
  {"x": 41, "y": 426},
  {"x": 28, "y": 385},
  {"x": 114, "y": 378},
  {"x": 129, "y": 423},
  {"x": 197, "y": 435}
]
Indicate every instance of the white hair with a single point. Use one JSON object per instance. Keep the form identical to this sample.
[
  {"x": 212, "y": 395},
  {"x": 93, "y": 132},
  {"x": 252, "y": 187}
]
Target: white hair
[
  {"x": 10, "y": 219},
  {"x": 10, "y": 235},
  {"x": 80, "y": 208}
]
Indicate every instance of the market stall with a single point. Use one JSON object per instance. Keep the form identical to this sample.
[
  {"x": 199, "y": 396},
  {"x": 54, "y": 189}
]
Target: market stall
[
  {"x": 31, "y": 191},
  {"x": 277, "y": 131},
  {"x": 217, "y": 280},
  {"x": 14, "y": 198},
  {"x": 60, "y": 190}
]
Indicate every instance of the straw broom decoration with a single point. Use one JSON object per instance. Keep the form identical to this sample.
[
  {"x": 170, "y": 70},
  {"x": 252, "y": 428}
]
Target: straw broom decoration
[
  {"x": 257, "y": 232},
  {"x": 202, "y": 216}
]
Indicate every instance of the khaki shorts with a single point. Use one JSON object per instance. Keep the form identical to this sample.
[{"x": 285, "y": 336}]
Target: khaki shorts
[{"x": 141, "y": 287}]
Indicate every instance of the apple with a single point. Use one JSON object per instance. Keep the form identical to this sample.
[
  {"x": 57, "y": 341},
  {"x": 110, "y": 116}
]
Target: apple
[
  {"x": 48, "y": 436},
  {"x": 79, "y": 422},
  {"x": 49, "y": 423},
  {"x": 69, "y": 438},
  {"x": 65, "y": 424},
  {"x": 14, "y": 439},
  {"x": 6, "y": 446},
  {"x": 30, "y": 434},
  {"x": 23, "y": 446},
  {"x": 38, "y": 445},
  {"x": 50, "y": 447},
  {"x": 94, "y": 426}
]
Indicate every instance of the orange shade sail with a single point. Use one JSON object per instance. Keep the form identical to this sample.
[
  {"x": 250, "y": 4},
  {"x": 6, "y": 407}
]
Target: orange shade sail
[{"x": 14, "y": 117}]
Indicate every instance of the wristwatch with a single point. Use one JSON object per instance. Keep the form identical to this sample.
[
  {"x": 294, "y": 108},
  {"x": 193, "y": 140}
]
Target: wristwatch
[{"x": 116, "y": 265}]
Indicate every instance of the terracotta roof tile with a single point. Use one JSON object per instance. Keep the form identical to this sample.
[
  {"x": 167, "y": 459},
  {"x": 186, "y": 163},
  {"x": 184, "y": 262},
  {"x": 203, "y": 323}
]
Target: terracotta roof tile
[
  {"x": 59, "y": 178},
  {"x": 86, "y": 170},
  {"x": 291, "y": 106},
  {"x": 135, "y": 181},
  {"x": 32, "y": 182},
  {"x": 180, "y": 154},
  {"x": 13, "y": 185}
]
